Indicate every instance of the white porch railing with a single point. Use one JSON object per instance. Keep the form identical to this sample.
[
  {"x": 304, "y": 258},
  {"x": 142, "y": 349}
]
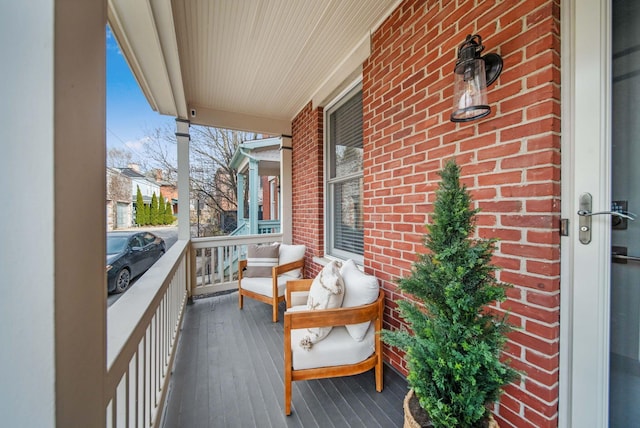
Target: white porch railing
[
  {"x": 142, "y": 332},
  {"x": 269, "y": 226},
  {"x": 216, "y": 261},
  {"x": 144, "y": 324}
]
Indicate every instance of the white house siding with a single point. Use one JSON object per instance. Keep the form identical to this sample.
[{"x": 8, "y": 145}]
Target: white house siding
[{"x": 147, "y": 188}]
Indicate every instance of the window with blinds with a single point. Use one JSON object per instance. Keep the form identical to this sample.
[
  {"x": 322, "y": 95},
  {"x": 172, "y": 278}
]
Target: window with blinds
[{"x": 344, "y": 220}]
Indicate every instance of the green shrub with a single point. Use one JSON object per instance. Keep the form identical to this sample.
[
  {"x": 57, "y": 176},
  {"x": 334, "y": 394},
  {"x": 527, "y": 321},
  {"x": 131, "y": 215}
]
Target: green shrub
[
  {"x": 168, "y": 213},
  {"x": 454, "y": 347},
  {"x": 153, "y": 210},
  {"x": 140, "y": 211}
]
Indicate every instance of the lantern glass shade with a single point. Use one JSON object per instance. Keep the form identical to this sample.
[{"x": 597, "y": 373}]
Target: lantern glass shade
[{"x": 470, "y": 91}]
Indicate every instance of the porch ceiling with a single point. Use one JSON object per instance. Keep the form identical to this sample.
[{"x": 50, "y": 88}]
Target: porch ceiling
[{"x": 243, "y": 64}]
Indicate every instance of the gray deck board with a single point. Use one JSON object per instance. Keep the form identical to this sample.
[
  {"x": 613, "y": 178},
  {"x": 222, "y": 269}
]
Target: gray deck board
[{"x": 229, "y": 373}]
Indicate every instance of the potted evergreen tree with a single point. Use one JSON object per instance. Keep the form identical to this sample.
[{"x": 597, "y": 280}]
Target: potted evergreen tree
[{"x": 453, "y": 349}]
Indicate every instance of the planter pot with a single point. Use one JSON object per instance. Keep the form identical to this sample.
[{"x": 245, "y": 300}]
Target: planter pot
[{"x": 421, "y": 421}]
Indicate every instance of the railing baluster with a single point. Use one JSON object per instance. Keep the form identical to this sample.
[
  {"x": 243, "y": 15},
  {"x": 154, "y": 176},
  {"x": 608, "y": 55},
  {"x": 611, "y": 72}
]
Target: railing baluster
[{"x": 221, "y": 260}]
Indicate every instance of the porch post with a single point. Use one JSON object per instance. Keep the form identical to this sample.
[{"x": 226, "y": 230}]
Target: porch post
[
  {"x": 53, "y": 294},
  {"x": 254, "y": 182},
  {"x": 183, "y": 137},
  {"x": 240, "y": 196},
  {"x": 286, "y": 187}
]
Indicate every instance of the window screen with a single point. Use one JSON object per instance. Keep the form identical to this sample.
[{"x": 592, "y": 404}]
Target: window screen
[{"x": 345, "y": 223}]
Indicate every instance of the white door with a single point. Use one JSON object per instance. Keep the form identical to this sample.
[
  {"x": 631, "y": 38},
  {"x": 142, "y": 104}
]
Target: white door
[{"x": 600, "y": 352}]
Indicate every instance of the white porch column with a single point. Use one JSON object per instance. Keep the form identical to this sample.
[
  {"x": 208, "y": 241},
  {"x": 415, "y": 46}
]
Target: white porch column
[
  {"x": 286, "y": 190},
  {"x": 53, "y": 227},
  {"x": 240, "y": 198},
  {"x": 183, "y": 137},
  {"x": 254, "y": 185}
]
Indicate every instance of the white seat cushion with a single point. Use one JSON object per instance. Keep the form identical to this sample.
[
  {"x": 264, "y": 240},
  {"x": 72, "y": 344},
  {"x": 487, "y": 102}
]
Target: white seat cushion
[
  {"x": 337, "y": 349},
  {"x": 264, "y": 285}
]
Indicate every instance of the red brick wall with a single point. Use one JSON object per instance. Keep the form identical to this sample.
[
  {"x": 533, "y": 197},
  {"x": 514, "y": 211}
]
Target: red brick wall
[
  {"x": 510, "y": 162},
  {"x": 307, "y": 177},
  {"x": 266, "y": 197}
]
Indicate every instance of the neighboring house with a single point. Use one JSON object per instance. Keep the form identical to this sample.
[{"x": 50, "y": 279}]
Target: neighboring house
[
  {"x": 147, "y": 186},
  {"x": 122, "y": 188},
  {"x": 547, "y": 167},
  {"x": 257, "y": 163},
  {"x": 119, "y": 204},
  {"x": 168, "y": 190}
]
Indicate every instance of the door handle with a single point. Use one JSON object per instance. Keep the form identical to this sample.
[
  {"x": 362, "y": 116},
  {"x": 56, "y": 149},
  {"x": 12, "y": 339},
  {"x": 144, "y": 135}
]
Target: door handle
[
  {"x": 585, "y": 213},
  {"x": 584, "y": 223},
  {"x": 619, "y": 255},
  {"x": 627, "y": 215},
  {"x": 624, "y": 259}
]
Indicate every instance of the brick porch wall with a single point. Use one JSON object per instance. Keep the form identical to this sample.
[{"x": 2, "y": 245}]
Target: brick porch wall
[
  {"x": 307, "y": 177},
  {"x": 510, "y": 162}
]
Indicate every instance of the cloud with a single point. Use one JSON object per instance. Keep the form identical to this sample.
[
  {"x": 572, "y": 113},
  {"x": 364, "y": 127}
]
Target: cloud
[
  {"x": 112, "y": 43},
  {"x": 136, "y": 145}
]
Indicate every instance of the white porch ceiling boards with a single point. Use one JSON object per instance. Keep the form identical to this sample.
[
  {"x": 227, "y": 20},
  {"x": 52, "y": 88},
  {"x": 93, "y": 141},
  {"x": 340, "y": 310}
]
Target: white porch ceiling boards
[{"x": 244, "y": 64}]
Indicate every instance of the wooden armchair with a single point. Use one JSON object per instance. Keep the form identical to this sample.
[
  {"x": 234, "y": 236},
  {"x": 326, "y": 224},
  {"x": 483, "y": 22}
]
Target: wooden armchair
[
  {"x": 269, "y": 290},
  {"x": 336, "y": 355}
]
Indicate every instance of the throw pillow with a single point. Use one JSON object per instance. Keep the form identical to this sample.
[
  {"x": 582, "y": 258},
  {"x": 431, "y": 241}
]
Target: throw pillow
[
  {"x": 289, "y": 254},
  {"x": 359, "y": 289},
  {"x": 326, "y": 292},
  {"x": 260, "y": 260}
]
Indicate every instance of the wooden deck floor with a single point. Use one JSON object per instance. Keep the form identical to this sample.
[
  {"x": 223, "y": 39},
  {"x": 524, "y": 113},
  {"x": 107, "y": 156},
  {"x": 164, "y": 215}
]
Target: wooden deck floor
[{"x": 228, "y": 373}]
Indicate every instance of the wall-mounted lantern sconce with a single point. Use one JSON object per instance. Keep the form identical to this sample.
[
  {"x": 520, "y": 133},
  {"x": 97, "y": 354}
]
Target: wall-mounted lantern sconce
[{"x": 473, "y": 73}]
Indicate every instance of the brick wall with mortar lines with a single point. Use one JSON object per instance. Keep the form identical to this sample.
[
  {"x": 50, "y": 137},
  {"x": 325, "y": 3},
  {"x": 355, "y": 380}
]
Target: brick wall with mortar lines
[
  {"x": 307, "y": 177},
  {"x": 510, "y": 162}
]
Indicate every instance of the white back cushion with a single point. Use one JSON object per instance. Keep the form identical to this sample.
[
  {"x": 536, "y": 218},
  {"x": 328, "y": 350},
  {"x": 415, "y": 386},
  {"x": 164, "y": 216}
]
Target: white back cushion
[
  {"x": 291, "y": 253},
  {"x": 261, "y": 259},
  {"x": 360, "y": 289}
]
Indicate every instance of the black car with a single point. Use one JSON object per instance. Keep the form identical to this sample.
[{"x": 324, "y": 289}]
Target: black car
[{"x": 130, "y": 254}]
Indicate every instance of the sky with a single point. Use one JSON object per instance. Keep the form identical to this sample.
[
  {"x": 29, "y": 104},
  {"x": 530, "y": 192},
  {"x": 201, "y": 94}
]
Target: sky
[{"x": 129, "y": 116}]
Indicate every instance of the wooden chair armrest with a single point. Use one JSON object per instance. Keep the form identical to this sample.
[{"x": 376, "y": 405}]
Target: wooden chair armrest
[
  {"x": 277, "y": 270},
  {"x": 242, "y": 264},
  {"x": 296, "y": 286},
  {"x": 280, "y": 269},
  {"x": 334, "y": 317},
  {"x": 299, "y": 284}
]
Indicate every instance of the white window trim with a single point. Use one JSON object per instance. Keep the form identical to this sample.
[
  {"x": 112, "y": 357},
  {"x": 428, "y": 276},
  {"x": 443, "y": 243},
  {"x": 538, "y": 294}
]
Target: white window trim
[{"x": 339, "y": 255}]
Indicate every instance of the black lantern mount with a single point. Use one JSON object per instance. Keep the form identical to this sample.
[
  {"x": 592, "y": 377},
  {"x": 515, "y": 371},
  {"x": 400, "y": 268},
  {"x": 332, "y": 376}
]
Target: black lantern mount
[{"x": 473, "y": 73}]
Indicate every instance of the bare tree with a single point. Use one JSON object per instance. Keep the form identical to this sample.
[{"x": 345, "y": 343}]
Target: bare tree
[
  {"x": 211, "y": 172},
  {"x": 213, "y": 182},
  {"x": 119, "y": 158},
  {"x": 160, "y": 152}
]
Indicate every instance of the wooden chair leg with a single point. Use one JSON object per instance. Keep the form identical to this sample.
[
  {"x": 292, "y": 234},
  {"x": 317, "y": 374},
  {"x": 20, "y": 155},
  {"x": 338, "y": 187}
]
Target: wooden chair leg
[
  {"x": 288, "y": 365},
  {"x": 275, "y": 310},
  {"x": 240, "y": 299},
  {"x": 379, "y": 377},
  {"x": 287, "y": 394}
]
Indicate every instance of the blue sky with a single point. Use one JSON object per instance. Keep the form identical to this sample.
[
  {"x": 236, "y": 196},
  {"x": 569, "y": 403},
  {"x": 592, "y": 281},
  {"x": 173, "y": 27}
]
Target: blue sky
[{"x": 129, "y": 116}]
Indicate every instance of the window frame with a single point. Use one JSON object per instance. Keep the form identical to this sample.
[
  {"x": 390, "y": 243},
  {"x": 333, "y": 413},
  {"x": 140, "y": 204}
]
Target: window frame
[{"x": 330, "y": 250}]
